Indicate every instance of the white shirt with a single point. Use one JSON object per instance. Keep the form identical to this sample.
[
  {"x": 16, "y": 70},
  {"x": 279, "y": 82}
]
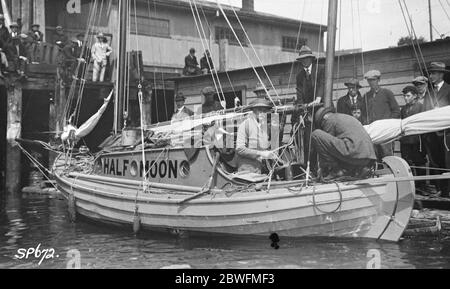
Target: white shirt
[
  {"x": 439, "y": 85},
  {"x": 308, "y": 69},
  {"x": 353, "y": 99}
]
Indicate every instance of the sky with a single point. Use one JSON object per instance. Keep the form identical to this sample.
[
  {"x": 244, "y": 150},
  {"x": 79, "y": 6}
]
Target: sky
[{"x": 382, "y": 22}]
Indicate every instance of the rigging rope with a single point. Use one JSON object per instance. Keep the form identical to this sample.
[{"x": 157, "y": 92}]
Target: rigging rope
[{"x": 245, "y": 52}]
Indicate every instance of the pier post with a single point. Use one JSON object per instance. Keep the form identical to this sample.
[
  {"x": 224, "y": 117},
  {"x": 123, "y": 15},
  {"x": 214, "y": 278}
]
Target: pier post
[
  {"x": 223, "y": 54},
  {"x": 14, "y": 129}
]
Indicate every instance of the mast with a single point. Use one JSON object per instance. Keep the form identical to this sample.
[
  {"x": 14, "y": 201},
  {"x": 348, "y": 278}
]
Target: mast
[
  {"x": 331, "y": 44},
  {"x": 121, "y": 62},
  {"x": 431, "y": 20}
]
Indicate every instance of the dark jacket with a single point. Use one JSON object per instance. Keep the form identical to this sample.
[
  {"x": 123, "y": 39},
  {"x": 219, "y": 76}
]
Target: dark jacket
[
  {"x": 407, "y": 111},
  {"x": 60, "y": 37},
  {"x": 36, "y": 36},
  {"x": 442, "y": 97},
  {"x": 358, "y": 144},
  {"x": 306, "y": 84},
  {"x": 344, "y": 104},
  {"x": 5, "y": 37},
  {"x": 380, "y": 105},
  {"x": 190, "y": 61},
  {"x": 204, "y": 63}
]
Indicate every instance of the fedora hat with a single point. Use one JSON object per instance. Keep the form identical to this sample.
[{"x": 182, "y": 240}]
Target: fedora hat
[
  {"x": 305, "y": 52},
  {"x": 438, "y": 67},
  {"x": 321, "y": 112},
  {"x": 180, "y": 97},
  {"x": 100, "y": 35},
  {"x": 258, "y": 103},
  {"x": 353, "y": 82}
]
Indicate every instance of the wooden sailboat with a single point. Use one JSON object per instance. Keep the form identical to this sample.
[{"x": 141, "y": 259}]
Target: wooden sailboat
[{"x": 174, "y": 188}]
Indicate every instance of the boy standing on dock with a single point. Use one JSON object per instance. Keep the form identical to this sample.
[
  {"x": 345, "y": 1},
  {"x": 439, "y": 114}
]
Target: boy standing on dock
[{"x": 411, "y": 146}]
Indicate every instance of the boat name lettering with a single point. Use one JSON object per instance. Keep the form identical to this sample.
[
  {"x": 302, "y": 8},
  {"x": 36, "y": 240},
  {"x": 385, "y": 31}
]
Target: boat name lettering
[{"x": 153, "y": 169}]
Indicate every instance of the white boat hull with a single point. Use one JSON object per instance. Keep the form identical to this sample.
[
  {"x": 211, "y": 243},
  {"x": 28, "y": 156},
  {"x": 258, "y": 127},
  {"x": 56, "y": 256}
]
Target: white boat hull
[{"x": 379, "y": 211}]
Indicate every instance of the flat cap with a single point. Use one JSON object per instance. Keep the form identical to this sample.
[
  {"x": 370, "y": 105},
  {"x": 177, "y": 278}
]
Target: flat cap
[
  {"x": 208, "y": 90},
  {"x": 59, "y": 27},
  {"x": 420, "y": 80},
  {"x": 373, "y": 74}
]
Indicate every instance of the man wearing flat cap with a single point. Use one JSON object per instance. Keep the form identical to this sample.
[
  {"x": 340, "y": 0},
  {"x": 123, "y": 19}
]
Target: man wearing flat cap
[
  {"x": 252, "y": 143},
  {"x": 424, "y": 97},
  {"x": 379, "y": 103},
  {"x": 343, "y": 145},
  {"x": 352, "y": 99},
  {"x": 60, "y": 35},
  {"x": 182, "y": 112},
  {"x": 310, "y": 89},
  {"x": 211, "y": 103},
  {"x": 36, "y": 37},
  {"x": 435, "y": 143}
]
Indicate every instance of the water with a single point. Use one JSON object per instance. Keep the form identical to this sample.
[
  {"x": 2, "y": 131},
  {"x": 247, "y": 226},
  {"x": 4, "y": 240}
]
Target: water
[{"x": 26, "y": 222}]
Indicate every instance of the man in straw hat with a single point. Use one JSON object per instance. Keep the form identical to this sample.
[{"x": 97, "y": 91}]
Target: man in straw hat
[
  {"x": 310, "y": 89},
  {"x": 352, "y": 98},
  {"x": 100, "y": 52},
  {"x": 252, "y": 143},
  {"x": 343, "y": 145},
  {"x": 437, "y": 144},
  {"x": 181, "y": 112},
  {"x": 379, "y": 103}
]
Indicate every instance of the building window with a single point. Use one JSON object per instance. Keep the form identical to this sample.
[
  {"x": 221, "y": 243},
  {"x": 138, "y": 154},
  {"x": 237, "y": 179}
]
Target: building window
[
  {"x": 291, "y": 44},
  {"x": 226, "y": 33},
  {"x": 150, "y": 26}
]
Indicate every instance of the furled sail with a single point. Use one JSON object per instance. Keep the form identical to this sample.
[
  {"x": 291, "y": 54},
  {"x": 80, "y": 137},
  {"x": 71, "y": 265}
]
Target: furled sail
[
  {"x": 387, "y": 130},
  {"x": 87, "y": 126}
]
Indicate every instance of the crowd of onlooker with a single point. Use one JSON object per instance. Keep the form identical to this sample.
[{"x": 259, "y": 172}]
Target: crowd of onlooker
[
  {"x": 19, "y": 48},
  {"x": 423, "y": 94}
]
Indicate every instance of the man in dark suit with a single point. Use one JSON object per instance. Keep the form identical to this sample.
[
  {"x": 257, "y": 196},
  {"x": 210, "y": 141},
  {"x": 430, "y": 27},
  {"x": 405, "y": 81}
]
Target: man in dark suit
[
  {"x": 310, "y": 90},
  {"x": 352, "y": 99},
  {"x": 191, "y": 64},
  {"x": 5, "y": 37},
  {"x": 435, "y": 143}
]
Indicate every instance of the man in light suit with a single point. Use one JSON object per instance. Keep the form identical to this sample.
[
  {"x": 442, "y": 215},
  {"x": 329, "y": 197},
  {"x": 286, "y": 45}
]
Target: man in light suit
[{"x": 182, "y": 111}]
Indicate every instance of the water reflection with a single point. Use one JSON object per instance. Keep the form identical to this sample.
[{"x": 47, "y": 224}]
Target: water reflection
[{"x": 26, "y": 222}]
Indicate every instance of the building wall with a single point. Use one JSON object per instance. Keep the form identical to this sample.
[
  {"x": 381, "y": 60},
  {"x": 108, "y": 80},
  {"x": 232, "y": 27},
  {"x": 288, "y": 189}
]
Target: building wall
[{"x": 169, "y": 52}]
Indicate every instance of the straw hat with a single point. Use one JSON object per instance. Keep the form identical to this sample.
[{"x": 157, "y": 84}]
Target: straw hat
[{"x": 259, "y": 103}]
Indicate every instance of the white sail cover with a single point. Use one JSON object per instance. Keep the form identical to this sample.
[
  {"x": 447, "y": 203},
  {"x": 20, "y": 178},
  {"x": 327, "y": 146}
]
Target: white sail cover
[
  {"x": 88, "y": 125},
  {"x": 387, "y": 130}
]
